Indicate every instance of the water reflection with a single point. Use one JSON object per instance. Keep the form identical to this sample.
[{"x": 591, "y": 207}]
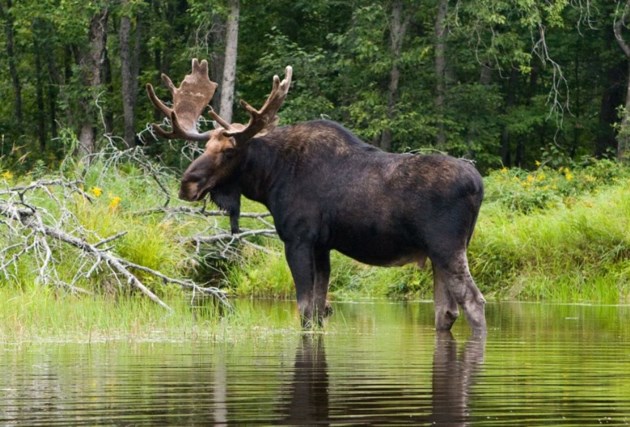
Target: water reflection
[
  {"x": 453, "y": 375},
  {"x": 309, "y": 386},
  {"x": 375, "y": 364}
]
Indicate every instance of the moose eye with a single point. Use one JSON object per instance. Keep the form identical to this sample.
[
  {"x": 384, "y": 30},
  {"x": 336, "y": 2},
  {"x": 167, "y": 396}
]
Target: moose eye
[{"x": 229, "y": 153}]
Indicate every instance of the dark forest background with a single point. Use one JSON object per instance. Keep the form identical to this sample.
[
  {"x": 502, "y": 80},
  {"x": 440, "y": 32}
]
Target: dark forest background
[{"x": 505, "y": 82}]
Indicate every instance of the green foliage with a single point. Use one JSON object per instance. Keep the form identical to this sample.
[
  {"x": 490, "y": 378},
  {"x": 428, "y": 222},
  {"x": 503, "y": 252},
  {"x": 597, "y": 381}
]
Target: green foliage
[{"x": 526, "y": 191}]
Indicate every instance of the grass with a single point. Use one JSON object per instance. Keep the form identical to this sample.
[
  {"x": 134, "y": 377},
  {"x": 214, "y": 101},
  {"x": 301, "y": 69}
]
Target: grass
[
  {"x": 41, "y": 314},
  {"x": 574, "y": 252}
]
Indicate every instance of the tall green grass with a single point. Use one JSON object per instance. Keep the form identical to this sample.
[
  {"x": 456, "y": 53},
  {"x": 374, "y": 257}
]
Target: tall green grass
[
  {"x": 43, "y": 314},
  {"x": 575, "y": 252}
]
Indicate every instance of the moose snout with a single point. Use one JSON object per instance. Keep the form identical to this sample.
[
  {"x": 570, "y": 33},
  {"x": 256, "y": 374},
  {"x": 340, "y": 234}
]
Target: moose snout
[{"x": 188, "y": 191}]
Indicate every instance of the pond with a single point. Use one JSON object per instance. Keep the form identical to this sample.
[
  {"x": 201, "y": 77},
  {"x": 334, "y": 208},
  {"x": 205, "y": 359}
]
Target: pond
[{"x": 375, "y": 363}]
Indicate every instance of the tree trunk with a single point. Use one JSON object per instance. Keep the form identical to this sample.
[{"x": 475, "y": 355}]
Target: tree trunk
[
  {"x": 440, "y": 69},
  {"x": 54, "y": 82},
  {"x": 229, "y": 65},
  {"x": 93, "y": 62},
  {"x": 397, "y": 28},
  {"x": 5, "y": 15},
  {"x": 510, "y": 96},
  {"x": 129, "y": 77},
  {"x": 611, "y": 98},
  {"x": 623, "y": 136},
  {"x": 39, "y": 96}
]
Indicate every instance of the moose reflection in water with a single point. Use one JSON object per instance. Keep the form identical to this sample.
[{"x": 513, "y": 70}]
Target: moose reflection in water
[{"x": 453, "y": 375}]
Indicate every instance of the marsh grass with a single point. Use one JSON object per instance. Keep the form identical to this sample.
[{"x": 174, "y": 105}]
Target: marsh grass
[
  {"x": 41, "y": 314},
  {"x": 573, "y": 253}
]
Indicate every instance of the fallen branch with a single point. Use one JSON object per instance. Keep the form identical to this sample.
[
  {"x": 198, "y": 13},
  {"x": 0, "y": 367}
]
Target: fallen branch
[
  {"x": 30, "y": 228},
  {"x": 31, "y": 219}
]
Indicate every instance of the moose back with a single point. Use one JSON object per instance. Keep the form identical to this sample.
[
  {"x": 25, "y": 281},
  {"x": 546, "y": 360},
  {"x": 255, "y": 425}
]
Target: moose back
[{"x": 327, "y": 190}]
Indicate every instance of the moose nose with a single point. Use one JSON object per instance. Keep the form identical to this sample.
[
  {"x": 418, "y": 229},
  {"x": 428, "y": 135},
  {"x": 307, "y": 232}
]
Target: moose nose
[{"x": 187, "y": 193}]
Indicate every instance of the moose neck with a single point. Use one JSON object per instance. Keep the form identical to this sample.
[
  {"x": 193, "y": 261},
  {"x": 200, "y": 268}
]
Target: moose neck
[{"x": 262, "y": 164}]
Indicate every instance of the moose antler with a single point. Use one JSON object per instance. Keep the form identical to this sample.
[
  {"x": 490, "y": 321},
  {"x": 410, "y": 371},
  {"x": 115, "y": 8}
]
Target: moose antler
[
  {"x": 189, "y": 100},
  {"x": 260, "y": 121}
]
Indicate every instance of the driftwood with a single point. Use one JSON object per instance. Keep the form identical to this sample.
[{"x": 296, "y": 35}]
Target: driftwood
[{"x": 37, "y": 229}]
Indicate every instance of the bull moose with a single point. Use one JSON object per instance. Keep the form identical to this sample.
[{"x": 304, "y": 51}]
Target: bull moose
[{"x": 328, "y": 190}]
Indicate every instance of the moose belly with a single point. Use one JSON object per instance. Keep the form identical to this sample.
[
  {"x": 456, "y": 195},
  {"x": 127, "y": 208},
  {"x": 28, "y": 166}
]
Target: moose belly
[{"x": 381, "y": 249}]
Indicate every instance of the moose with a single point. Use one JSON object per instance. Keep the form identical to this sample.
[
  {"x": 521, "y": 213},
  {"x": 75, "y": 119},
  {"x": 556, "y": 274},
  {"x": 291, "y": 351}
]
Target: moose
[{"x": 327, "y": 190}]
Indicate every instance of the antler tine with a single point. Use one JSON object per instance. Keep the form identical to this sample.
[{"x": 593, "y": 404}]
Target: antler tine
[
  {"x": 189, "y": 99},
  {"x": 265, "y": 119},
  {"x": 220, "y": 120}
]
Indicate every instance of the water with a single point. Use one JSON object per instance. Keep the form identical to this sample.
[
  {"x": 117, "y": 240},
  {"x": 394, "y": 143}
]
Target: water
[{"x": 375, "y": 364}]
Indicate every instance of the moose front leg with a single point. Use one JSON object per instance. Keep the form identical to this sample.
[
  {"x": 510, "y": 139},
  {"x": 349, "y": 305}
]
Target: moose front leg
[{"x": 311, "y": 299}]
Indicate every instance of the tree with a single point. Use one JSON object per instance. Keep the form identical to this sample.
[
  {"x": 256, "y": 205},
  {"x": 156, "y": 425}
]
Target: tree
[
  {"x": 129, "y": 68},
  {"x": 441, "y": 32},
  {"x": 399, "y": 21},
  {"x": 93, "y": 61},
  {"x": 5, "y": 15},
  {"x": 624, "y": 128},
  {"x": 229, "y": 63}
]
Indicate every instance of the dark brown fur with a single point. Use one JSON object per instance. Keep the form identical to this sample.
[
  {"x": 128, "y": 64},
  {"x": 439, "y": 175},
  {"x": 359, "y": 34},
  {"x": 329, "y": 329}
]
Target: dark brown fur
[{"x": 327, "y": 190}]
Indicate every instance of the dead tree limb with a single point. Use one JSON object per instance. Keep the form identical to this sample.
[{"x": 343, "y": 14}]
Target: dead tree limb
[{"x": 31, "y": 219}]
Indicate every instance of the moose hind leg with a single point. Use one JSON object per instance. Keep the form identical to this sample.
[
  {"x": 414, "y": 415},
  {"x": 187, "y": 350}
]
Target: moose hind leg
[
  {"x": 446, "y": 311},
  {"x": 461, "y": 288}
]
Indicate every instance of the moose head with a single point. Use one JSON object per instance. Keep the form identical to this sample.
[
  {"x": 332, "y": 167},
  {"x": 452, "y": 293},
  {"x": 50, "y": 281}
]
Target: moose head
[{"x": 225, "y": 144}]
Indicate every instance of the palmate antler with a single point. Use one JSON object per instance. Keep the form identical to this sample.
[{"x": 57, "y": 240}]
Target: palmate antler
[
  {"x": 189, "y": 101},
  {"x": 194, "y": 94},
  {"x": 260, "y": 121}
]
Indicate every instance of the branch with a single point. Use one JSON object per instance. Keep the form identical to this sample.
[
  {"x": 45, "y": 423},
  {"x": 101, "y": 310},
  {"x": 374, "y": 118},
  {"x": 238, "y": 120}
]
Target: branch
[
  {"x": 31, "y": 219},
  {"x": 231, "y": 238},
  {"x": 618, "y": 26}
]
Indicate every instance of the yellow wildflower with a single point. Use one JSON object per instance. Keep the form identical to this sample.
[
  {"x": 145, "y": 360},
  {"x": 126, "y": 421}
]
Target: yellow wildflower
[
  {"x": 7, "y": 175},
  {"x": 541, "y": 177},
  {"x": 537, "y": 163},
  {"x": 114, "y": 202},
  {"x": 97, "y": 191},
  {"x": 568, "y": 175},
  {"x": 504, "y": 169},
  {"x": 530, "y": 178}
]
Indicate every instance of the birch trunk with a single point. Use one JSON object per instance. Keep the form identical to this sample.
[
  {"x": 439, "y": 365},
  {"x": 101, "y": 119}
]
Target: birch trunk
[{"x": 229, "y": 64}]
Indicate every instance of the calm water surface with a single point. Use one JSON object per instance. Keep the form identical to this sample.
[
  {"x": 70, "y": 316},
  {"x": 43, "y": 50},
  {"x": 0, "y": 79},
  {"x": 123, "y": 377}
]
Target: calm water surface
[{"x": 375, "y": 364}]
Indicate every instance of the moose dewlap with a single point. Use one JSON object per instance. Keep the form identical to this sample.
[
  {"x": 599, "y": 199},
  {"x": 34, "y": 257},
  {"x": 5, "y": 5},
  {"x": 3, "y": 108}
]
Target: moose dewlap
[{"x": 327, "y": 190}]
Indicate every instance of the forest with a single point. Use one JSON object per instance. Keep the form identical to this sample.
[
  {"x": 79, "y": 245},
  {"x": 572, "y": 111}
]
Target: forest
[{"x": 508, "y": 83}]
